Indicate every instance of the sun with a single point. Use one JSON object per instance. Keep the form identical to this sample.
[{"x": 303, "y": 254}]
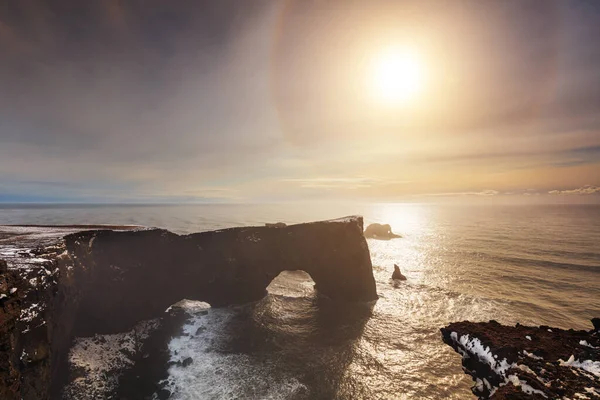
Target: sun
[{"x": 396, "y": 76}]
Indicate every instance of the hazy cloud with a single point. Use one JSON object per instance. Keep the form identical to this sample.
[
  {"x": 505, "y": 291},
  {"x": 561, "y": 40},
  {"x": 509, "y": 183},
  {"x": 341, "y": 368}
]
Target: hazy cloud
[
  {"x": 488, "y": 192},
  {"x": 231, "y": 99},
  {"x": 584, "y": 190},
  {"x": 342, "y": 183}
]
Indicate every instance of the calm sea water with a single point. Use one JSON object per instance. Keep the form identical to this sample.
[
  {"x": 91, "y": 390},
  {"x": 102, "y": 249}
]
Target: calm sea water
[{"x": 528, "y": 264}]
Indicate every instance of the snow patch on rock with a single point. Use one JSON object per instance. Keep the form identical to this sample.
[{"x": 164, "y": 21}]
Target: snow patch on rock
[
  {"x": 99, "y": 360},
  {"x": 590, "y": 366},
  {"x": 586, "y": 344}
]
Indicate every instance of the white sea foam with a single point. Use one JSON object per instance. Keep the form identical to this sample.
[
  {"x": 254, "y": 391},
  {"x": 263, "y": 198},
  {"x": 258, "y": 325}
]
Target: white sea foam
[{"x": 214, "y": 374}]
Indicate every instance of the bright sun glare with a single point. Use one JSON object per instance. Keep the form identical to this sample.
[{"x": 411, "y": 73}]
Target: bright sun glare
[{"x": 396, "y": 76}]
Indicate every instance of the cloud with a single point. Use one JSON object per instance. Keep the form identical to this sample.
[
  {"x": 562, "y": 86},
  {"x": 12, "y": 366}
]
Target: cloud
[
  {"x": 222, "y": 100},
  {"x": 487, "y": 192},
  {"x": 342, "y": 183},
  {"x": 584, "y": 190}
]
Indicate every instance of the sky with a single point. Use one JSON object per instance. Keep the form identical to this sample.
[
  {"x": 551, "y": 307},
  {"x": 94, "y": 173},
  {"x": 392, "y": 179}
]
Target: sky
[{"x": 266, "y": 100}]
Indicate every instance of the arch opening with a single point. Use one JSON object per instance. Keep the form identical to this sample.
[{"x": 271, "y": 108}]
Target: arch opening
[{"x": 292, "y": 283}]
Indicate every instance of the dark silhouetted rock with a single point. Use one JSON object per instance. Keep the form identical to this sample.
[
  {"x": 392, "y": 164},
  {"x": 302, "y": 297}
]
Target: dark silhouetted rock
[
  {"x": 104, "y": 281},
  {"x": 596, "y": 322},
  {"x": 397, "y": 274},
  {"x": 276, "y": 225},
  {"x": 188, "y": 361},
  {"x": 141, "y": 273},
  {"x": 26, "y": 301},
  {"x": 523, "y": 362},
  {"x": 379, "y": 231}
]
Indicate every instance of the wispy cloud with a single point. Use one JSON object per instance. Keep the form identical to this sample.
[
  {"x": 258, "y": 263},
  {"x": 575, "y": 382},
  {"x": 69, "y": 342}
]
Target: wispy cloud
[
  {"x": 584, "y": 190},
  {"x": 342, "y": 183},
  {"x": 487, "y": 192}
]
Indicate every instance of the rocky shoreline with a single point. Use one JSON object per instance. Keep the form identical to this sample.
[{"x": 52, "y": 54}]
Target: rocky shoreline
[
  {"x": 64, "y": 292},
  {"x": 524, "y": 362},
  {"x": 82, "y": 314}
]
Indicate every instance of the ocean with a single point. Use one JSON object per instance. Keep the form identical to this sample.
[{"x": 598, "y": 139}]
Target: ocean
[{"x": 511, "y": 263}]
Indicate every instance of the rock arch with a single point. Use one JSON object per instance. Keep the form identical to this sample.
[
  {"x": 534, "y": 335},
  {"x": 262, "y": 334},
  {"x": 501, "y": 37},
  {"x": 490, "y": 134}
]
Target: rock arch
[
  {"x": 122, "y": 277},
  {"x": 106, "y": 281}
]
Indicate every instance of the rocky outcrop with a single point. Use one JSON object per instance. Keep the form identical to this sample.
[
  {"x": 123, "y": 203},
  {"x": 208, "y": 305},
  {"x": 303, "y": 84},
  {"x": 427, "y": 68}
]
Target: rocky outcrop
[
  {"x": 380, "y": 231},
  {"x": 26, "y": 306},
  {"x": 397, "y": 275},
  {"x": 140, "y": 273},
  {"x": 276, "y": 225},
  {"x": 523, "y": 362},
  {"x": 104, "y": 281}
]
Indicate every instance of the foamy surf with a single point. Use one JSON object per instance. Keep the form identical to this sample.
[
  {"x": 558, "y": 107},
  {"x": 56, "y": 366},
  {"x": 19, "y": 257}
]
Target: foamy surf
[{"x": 204, "y": 368}]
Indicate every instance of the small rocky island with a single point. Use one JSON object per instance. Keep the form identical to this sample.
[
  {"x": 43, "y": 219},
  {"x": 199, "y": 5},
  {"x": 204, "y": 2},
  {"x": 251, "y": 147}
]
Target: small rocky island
[
  {"x": 380, "y": 231},
  {"x": 523, "y": 362},
  {"x": 58, "y": 284}
]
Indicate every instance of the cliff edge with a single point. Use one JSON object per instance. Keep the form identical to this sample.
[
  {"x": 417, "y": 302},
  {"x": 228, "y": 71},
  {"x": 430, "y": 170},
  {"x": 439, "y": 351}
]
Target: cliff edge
[
  {"x": 523, "y": 362},
  {"x": 106, "y": 281}
]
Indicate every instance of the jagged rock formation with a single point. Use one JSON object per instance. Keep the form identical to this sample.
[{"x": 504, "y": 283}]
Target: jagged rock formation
[
  {"x": 379, "y": 231},
  {"x": 26, "y": 305},
  {"x": 104, "y": 281},
  {"x": 523, "y": 362},
  {"x": 397, "y": 275}
]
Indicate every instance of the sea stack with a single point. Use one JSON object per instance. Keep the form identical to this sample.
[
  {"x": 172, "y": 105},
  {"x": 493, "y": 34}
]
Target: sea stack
[
  {"x": 397, "y": 275},
  {"x": 380, "y": 231}
]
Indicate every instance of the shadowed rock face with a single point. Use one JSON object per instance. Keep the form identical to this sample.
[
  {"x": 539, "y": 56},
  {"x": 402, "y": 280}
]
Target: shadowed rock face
[
  {"x": 104, "y": 281},
  {"x": 128, "y": 276}
]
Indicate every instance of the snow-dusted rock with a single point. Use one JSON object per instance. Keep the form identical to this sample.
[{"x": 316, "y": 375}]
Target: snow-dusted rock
[{"x": 524, "y": 362}]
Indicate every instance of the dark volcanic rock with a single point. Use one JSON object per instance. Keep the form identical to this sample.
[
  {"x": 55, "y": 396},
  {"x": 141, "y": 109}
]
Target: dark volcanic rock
[
  {"x": 524, "y": 362},
  {"x": 397, "y": 275},
  {"x": 152, "y": 361},
  {"x": 124, "y": 277},
  {"x": 26, "y": 305},
  {"x": 379, "y": 231},
  {"x": 188, "y": 361},
  {"x": 103, "y": 281},
  {"x": 276, "y": 225}
]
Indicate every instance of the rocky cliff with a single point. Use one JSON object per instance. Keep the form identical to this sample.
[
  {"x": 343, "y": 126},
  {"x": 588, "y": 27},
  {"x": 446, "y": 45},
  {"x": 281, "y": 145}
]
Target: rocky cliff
[
  {"x": 522, "y": 362},
  {"x": 106, "y": 281}
]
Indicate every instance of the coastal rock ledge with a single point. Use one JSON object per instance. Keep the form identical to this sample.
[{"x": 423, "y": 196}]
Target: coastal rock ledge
[
  {"x": 107, "y": 281},
  {"x": 522, "y": 362}
]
